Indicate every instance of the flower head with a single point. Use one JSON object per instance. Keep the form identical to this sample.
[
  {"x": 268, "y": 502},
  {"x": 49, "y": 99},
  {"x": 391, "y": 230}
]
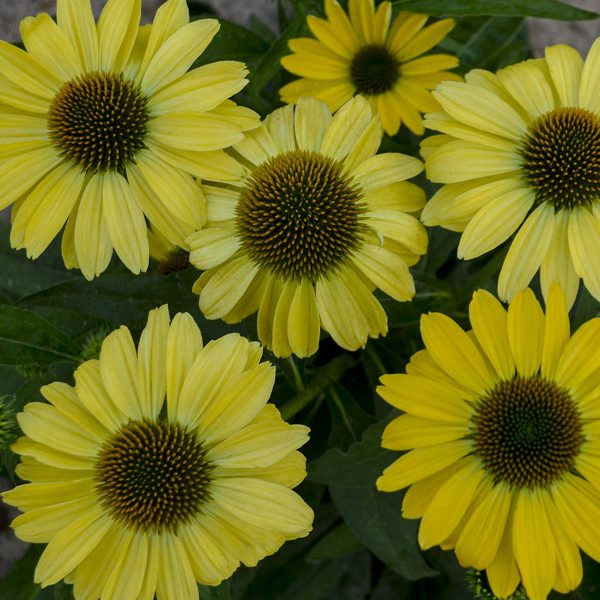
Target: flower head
[
  {"x": 160, "y": 468},
  {"x": 316, "y": 225},
  {"x": 501, "y": 430},
  {"x": 360, "y": 54},
  {"x": 520, "y": 152},
  {"x": 105, "y": 130}
]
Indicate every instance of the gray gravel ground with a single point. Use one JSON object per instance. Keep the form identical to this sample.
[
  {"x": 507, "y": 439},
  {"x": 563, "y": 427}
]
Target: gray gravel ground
[
  {"x": 542, "y": 32},
  {"x": 11, "y": 548}
]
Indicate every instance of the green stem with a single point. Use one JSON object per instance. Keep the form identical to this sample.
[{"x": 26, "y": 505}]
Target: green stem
[
  {"x": 299, "y": 384},
  {"x": 374, "y": 356},
  {"x": 340, "y": 405},
  {"x": 331, "y": 372}
]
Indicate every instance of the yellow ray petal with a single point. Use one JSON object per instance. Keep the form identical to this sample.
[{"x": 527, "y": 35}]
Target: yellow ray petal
[
  {"x": 454, "y": 351},
  {"x": 125, "y": 222},
  {"x": 184, "y": 342},
  {"x": 534, "y": 547},
  {"x": 495, "y": 222},
  {"x": 76, "y": 19},
  {"x": 584, "y": 244},
  {"x": 47, "y": 43},
  {"x": 169, "y": 18},
  {"x": 407, "y": 432},
  {"x": 589, "y": 93},
  {"x": 450, "y": 504},
  {"x": 556, "y": 332},
  {"x": 557, "y": 265},
  {"x": 528, "y": 84},
  {"x": 239, "y": 404},
  {"x": 119, "y": 372},
  {"x": 480, "y": 539},
  {"x": 526, "y": 252},
  {"x": 526, "y": 324},
  {"x": 91, "y": 238},
  {"x": 70, "y": 547},
  {"x": 489, "y": 321},
  {"x": 311, "y": 120},
  {"x": 175, "y": 576},
  {"x": 93, "y": 395},
  {"x": 565, "y": 65},
  {"x": 117, "y": 30},
  {"x": 152, "y": 356},
  {"x": 303, "y": 321},
  {"x": 420, "y": 463}
]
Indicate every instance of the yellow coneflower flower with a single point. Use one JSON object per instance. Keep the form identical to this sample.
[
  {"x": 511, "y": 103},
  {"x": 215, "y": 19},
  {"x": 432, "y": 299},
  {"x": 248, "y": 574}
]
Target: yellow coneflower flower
[
  {"x": 161, "y": 468},
  {"x": 502, "y": 426},
  {"x": 317, "y": 225},
  {"x": 361, "y": 54},
  {"x": 107, "y": 130},
  {"x": 520, "y": 151}
]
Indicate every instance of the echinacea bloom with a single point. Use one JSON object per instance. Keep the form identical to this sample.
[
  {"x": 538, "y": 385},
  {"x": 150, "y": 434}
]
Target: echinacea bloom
[
  {"x": 360, "y": 54},
  {"x": 520, "y": 152},
  {"x": 105, "y": 129},
  {"x": 501, "y": 429},
  {"x": 319, "y": 223},
  {"x": 160, "y": 468}
]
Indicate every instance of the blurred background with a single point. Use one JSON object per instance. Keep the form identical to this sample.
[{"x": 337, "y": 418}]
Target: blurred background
[{"x": 542, "y": 32}]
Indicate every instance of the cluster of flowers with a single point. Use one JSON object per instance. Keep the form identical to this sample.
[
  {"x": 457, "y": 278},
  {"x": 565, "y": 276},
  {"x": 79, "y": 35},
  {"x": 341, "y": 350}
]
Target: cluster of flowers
[{"x": 165, "y": 465}]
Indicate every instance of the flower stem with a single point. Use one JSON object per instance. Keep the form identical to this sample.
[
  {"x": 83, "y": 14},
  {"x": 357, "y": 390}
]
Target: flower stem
[{"x": 329, "y": 373}]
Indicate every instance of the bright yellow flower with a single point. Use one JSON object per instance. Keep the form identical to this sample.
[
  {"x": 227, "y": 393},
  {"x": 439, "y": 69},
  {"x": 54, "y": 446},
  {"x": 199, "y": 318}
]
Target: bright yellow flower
[
  {"x": 361, "y": 54},
  {"x": 502, "y": 427},
  {"x": 107, "y": 130},
  {"x": 317, "y": 225},
  {"x": 521, "y": 151},
  {"x": 161, "y": 468}
]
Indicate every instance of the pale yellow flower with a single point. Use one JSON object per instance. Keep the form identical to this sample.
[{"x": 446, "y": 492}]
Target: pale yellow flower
[
  {"x": 520, "y": 152},
  {"x": 317, "y": 225},
  {"x": 106, "y": 130},
  {"x": 160, "y": 468}
]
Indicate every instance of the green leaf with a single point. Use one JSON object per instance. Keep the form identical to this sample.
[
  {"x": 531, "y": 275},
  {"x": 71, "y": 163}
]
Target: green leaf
[
  {"x": 268, "y": 65},
  {"x": 344, "y": 578},
  {"x": 348, "y": 417},
  {"x": 18, "y": 583},
  {"x": 590, "y": 585},
  {"x": 27, "y": 339},
  {"x": 234, "y": 42},
  {"x": 340, "y": 541},
  {"x": 20, "y": 276},
  {"x": 487, "y": 42},
  {"x": 586, "y": 308},
  {"x": 327, "y": 374},
  {"x": 124, "y": 298},
  {"x": 550, "y": 9},
  {"x": 62, "y": 591},
  {"x": 374, "y": 517},
  {"x": 220, "y": 592},
  {"x": 4, "y": 299}
]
